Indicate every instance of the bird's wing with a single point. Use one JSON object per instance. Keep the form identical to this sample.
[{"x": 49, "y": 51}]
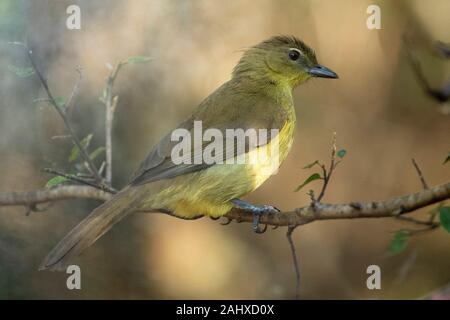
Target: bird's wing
[{"x": 262, "y": 114}]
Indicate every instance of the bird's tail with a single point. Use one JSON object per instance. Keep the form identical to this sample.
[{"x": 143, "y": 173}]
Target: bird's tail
[{"x": 91, "y": 228}]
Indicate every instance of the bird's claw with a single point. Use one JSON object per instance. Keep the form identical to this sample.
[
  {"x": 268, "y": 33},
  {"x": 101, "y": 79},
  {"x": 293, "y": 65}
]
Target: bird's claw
[
  {"x": 257, "y": 213},
  {"x": 257, "y": 229}
]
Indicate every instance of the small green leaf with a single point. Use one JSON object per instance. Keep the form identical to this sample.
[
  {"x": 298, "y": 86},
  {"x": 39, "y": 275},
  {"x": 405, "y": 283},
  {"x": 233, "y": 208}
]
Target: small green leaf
[
  {"x": 444, "y": 217},
  {"x": 21, "y": 72},
  {"x": 60, "y": 101},
  {"x": 399, "y": 242},
  {"x": 55, "y": 181},
  {"x": 312, "y": 164},
  {"x": 75, "y": 152},
  {"x": 341, "y": 153},
  {"x": 447, "y": 159},
  {"x": 138, "y": 59},
  {"x": 314, "y": 176},
  {"x": 97, "y": 152}
]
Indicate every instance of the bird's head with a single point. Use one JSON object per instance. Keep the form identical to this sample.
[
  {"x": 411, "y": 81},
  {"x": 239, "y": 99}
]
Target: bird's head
[{"x": 281, "y": 59}]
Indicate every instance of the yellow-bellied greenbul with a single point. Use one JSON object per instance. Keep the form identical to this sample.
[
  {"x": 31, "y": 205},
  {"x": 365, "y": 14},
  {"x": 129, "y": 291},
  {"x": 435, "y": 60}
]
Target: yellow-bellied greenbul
[{"x": 258, "y": 96}]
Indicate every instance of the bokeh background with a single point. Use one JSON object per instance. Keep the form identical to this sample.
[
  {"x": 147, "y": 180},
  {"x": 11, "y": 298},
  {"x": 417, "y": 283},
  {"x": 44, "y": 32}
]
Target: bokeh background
[{"x": 381, "y": 116}]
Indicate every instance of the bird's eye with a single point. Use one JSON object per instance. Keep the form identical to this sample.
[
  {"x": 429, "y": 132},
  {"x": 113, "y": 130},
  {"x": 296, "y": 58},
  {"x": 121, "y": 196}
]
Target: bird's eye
[{"x": 294, "y": 55}]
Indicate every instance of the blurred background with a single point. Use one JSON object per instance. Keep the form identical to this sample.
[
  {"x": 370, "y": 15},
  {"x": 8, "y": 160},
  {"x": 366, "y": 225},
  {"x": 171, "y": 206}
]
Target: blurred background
[{"x": 377, "y": 107}]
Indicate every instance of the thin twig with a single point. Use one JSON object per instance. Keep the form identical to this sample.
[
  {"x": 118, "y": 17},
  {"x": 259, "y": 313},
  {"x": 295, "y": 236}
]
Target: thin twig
[
  {"x": 110, "y": 102},
  {"x": 419, "y": 173},
  {"x": 412, "y": 232},
  {"x": 80, "y": 180},
  {"x": 295, "y": 260},
  {"x": 327, "y": 174},
  {"x": 417, "y": 221}
]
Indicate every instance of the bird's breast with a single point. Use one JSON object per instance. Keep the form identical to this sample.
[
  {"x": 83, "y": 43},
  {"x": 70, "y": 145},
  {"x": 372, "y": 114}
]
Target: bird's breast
[{"x": 265, "y": 161}]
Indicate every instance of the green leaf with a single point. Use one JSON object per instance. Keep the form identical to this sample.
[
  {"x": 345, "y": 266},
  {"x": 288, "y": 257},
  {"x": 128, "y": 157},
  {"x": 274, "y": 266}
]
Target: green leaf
[
  {"x": 444, "y": 217},
  {"x": 312, "y": 164},
  {"x": 341, "y": 153},
  {"x": 138, "y": 59},
  {"x": 314, "y": 176},
  {"x": 447, "y": 159},
  {"x": 75, "y": 152},
  {"x": 21, "y": 72},
  {"x": 97, "y": 152},
  {"x": 55, "y": 181},
  {"x": 399, "y": 242},
  {"x": 60, "y": 101}
]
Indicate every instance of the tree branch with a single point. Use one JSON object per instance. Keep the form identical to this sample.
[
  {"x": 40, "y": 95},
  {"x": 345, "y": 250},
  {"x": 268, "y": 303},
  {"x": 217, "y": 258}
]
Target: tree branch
[
  {"x": 376, "y": 209},
  {"x": 58, "y": 193}
]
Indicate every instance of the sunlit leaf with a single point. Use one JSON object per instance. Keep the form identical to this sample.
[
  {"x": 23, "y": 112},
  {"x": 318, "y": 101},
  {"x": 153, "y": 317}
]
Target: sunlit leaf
[
  {"x": 399, "y": 242},
  {"x": 97, "y": 152},
  {"x": 21, "y": 72},
  {"x": 341, "y": 153},
  {"x": 444, "y": 217},
  {"x": 75, "y": 152},
  {"x": 55, "y": 181},
  {"x": 138, "y": 59},
  {"x": 314, "y": 176}
]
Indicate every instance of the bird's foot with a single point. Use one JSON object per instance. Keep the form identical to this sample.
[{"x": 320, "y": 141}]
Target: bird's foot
[{"x": 257, "y": 212}]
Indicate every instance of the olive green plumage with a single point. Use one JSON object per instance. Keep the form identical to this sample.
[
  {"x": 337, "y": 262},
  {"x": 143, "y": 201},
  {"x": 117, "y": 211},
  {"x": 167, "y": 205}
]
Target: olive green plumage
[{"x": 258, "y": 96}]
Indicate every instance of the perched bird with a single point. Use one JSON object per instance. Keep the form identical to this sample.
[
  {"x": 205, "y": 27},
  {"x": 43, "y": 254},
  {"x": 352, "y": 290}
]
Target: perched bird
[{"x": 258, "y": 96}]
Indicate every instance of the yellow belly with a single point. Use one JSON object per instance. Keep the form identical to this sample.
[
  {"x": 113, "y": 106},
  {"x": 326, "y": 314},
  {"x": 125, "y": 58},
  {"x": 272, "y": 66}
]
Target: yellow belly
[{"x": 208, "y": 192}]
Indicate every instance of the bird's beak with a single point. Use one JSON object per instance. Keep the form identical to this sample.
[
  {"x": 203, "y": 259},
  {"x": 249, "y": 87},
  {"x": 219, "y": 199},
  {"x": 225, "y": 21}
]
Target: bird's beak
[{"x": 322, "y": 72}]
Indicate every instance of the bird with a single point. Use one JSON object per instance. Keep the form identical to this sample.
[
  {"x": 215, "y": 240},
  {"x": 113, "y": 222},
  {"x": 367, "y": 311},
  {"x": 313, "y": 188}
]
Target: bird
[{"x": 257, "y": 96}]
